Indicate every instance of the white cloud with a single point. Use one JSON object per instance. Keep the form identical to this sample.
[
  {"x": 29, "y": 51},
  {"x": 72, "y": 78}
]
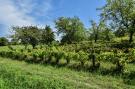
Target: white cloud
[
  {"x": 37, "y": 7},
  {"x": 9, "y": 15},
  {"x": 22, "y": 12}
]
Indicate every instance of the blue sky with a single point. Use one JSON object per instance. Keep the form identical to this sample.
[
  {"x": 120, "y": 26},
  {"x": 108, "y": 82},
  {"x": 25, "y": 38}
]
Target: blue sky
[{"x": 42, "y": 12}]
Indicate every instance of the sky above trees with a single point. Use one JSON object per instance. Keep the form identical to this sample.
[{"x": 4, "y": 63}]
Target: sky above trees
[{"x": 43, "y": 12}]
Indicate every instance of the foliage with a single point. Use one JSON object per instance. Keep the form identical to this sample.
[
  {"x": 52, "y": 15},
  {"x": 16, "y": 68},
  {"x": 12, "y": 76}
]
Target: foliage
[
  {"x": 27, "y": 35},
  {"x": 3, "y": 41},
  {"x": 47, "y": 35},
  {"x": 120, "y": 32},
  {"x": 100, "y": 31},
  {"x": 83, "y": 57},
  {"x": 72, "y": 29},
  {"x": 120, "y": 14},
  {"x": 106, "y": 56},
  {"x": 123, "y": 44}
]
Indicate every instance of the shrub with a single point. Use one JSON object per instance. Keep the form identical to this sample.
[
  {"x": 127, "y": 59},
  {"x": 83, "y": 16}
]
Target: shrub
[
  {"x": 11, "y": 48},
  {"x": 106, "y": 56},
  {"x": 3, "y": 53},
  {"x": 35, "y": 55},
  {"x": 29, "y": 50},
  {"x": 130, "y": 57},
  {"x": 120, "y": 65},
  {"x": 3, "y": 41},
  {"x": 17, "y": 55},
  {"x": 123, "y": 44},
  {"x": 58, "y": 55},
  {"x": 83, "y": 57},
  {"x": 95, "y": 62},
  {"x": 120, "y": 62},
  {"x": 68, "y": 56},
  {"x": 46, "y": 56},
  {"x": 76, "y": 57}
]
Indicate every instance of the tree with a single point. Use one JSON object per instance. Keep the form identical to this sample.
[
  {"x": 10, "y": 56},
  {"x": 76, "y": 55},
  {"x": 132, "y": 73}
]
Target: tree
[
  {"x": 3, "y": 41},
  {"x": 100, "y": 31},
  {"x": 107, "y": 34},
  {"x": 94, "y": 31},
  {"x": 120, "y": 32},
  {"x": 72, "y": 29},
  {"x": 27, "y": 35},
  {"x": 47, "y": 35},
  {"x": 121, "y": 14}
]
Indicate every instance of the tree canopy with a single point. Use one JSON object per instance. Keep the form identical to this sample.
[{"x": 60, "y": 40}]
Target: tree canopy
[
  {"x": 47, "y": 35},
  {"x": 121, "y": 15},
  {"x": 72, "y": 29},
  {"x": 27, "y": 35}
]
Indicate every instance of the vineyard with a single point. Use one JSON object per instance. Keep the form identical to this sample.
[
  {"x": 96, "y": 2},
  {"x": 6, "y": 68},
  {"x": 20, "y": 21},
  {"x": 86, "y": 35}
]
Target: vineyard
[
  {"x": 87, "y": 57},
  {"x": 92, "y": 58}
]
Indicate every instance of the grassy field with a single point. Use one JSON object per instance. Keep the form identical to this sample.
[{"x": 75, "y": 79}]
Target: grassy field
[{"x": 21, "y": 75}]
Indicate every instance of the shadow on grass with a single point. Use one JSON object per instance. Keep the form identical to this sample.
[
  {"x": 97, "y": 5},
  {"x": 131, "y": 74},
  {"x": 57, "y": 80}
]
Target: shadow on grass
[
  {"x": 129, "y": 78},
  {"x": 77, "y": 67}
]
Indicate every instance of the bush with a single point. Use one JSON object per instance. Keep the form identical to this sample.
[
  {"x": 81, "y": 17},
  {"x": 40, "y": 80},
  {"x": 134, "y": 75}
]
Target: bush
[
  {"x": 120, "y": 62},
  {"x": 69, "y": 56},
  {"x": 76, "y": 57},
  {"x": 58, "y": 55},
  {"x": 95, "y": 62},
  {"x": 37, "y": 56},
  {"x": 83, "y": 57},
  {"x": 123, "y": 44},
  {"x": 120, "y": 65},
  {"x": 3, "y": 41},
  {"x": 3, "y": 53},
  {"x": 106, "y": 56},
  {"x": 130, "y": 57},
  {"x": 11, "y": 48}
]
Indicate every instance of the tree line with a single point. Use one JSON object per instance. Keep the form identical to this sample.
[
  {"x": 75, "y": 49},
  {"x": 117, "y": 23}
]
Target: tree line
[
  {"x": 117, "y": 19},
  {"x": 72, "y": 30}
]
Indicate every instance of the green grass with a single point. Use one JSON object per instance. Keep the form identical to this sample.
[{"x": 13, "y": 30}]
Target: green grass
[{"x": 21, "y": 75}]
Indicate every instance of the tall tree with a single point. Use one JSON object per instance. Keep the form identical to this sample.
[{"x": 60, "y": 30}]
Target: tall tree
[
  {"x": 27, "y": 35},
  {"x": 107, "y": 34},
  {"x": 94, "y": 31},
  {"x": 72, "y": 29},
  {"x": 100, "y": 31},
  {"x": 120, "y": 32},
  {"x": 47, "y": 35},
  {"x": 121, "y": 14}
]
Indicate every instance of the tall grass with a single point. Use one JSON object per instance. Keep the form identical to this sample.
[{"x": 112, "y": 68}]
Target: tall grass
[{"x": 20, "y": 75}]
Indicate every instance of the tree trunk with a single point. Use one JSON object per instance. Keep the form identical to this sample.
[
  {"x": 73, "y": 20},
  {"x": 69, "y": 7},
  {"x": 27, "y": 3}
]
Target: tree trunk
[
  {"x": 57, "y": 61},
  {"x": 25, "y": 46},
  {"x": 119, "y": 67},
  {"x": 131, "y": 37},
  {"x": 82, "y": 63},
  {"x": 68, "y": 61},
  {"x": 96, "y": 37},
  {"x": 33, "y": 46},
  {"x": 93, "y": 61}
]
